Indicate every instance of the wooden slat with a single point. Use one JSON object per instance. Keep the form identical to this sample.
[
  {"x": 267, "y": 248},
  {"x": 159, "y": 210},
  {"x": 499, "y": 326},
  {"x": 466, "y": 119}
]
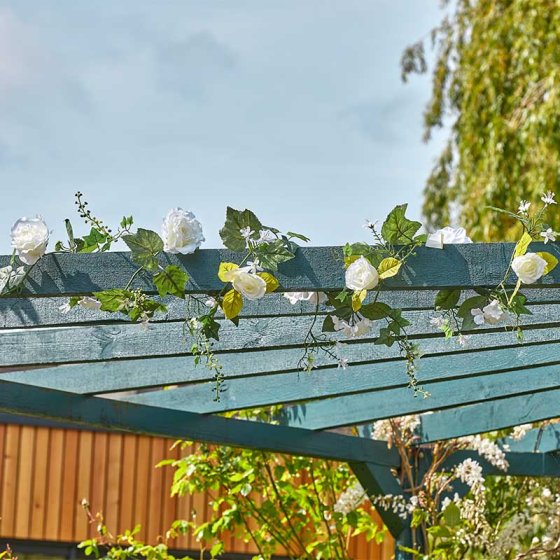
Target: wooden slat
[
  {"x": 84, "y": 476},
  {"x": 367, "y": 407},
  {"x": 314, "y": 268},
  {"x": 55, "y": 489},
  {"x": 542, "y": 440},
  {"x": 110, "y": 376},
  {"x": 299, "y": 386},
  {"x": 115, "y": 415},
  {"x": 69, "y": 483},
  {"x": 10, "y": 479},
  {"x": 109, "y": 342},
  {"x": 40, "y": 468},
  {"x": 487, "y": 416},
  {"x": 24, "y": 481}
]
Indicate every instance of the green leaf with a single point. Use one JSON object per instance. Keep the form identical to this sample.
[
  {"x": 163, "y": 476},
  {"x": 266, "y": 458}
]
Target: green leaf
[
  {"x": 271, "y": 282},
  {"x": 517, "y": 305},
  {"x": 299, "y": 236},
  {"x": 447, "y": 298},
  {"x": 273, "y": 253},
  {"x": 113, "y": 300},
  {"x": 145, "y": 245},
  {"x": 551, "y": 261},
  {"x": 90, "y": 242},
  {"x": 171, "y": 281},
  {"x": 385, "y": 337},
  {"x": 232, "y": 304},
  {"x": 522, "y": 245},
  {"x": 376, "y": 310},
  {"x": 328, "y": 324},
  {"x": 452, "y": 514},
  {"x": 236, "y": 220},
  {"x": 397, "y": 228},
  {"x": 388, "y": 267}
]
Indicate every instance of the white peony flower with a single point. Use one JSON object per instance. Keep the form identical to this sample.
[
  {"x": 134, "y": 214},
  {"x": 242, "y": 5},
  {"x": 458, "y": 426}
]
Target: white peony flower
[
  {"x": 447, "y": 236},
  {"x": 361, "y": 275},
  {"x": 30, "y": 237},
  {"x": 247, "y": 284},
  {"x": 181, "y": 232},
  {"x": 529, "y": 267},
  {"x": 548, "y": 235},
  {"x": 11, "y": 277},
  {"x": 315, "y": 298}
]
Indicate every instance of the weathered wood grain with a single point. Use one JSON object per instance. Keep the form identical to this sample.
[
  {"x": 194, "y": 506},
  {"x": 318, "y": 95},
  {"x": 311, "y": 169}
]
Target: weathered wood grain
[
  {"x": 128, "y": 417},
  {"x": 366, "y": 407},
  {"x": 314, "y": 268},
  {"x": 487, "y": 416}
]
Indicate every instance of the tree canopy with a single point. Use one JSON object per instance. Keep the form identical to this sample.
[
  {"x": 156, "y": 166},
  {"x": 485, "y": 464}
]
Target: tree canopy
[{"x": 496, "y": 85}]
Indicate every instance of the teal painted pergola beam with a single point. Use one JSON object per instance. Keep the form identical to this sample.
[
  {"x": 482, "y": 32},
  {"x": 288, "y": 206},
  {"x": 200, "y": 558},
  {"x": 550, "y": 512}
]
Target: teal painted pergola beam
[{"x": 313, "y": 268}]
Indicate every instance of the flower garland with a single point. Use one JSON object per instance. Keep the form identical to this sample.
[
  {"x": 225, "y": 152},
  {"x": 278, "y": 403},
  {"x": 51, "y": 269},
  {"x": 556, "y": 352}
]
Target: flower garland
[{"x": 351, "y": 313}]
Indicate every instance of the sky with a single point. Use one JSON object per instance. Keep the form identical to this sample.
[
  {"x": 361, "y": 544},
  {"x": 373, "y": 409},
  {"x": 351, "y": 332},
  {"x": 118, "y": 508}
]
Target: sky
[{"x": 292, "y": 108}]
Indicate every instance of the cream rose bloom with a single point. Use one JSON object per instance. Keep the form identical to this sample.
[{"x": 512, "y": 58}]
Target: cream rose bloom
[
  {"x": 181, "y": 232},
  {"x": 528, "y": 267},
  {"x": 447, "y": 236},
  {"x": 248, "y": 285},
  {"x": 361, "y": 275},
  {"x": 30, "y": 237}
]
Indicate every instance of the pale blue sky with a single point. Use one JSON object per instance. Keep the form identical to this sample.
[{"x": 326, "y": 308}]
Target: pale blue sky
[{"x": 292, "y": 108}]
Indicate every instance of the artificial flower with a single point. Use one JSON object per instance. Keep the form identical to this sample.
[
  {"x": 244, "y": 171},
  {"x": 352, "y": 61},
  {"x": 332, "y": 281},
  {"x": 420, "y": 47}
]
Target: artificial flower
[
  {"x": 181, "y": 232},
  {"x": 361, "y": 275},
  {"x": 548, "y": 235},
  {"x": 447, "y": 236},
  {"x": 30, "y": 237},
  {"x": 315, "y": 298},
  {"x": 529, "y": 267},
  {"x": 249, "y": 285}
]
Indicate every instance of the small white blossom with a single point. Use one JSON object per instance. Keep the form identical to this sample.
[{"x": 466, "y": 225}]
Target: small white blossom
[
  {"x": 211, "y": 302},
  {"x": 491, "y": 314},
  {"x": 360, "y": 327},
  {"x": 470, "y": 472},
  {"x": 524, "y": 207},
  {"x": 65, "y": 308},
  {"x": 488, "y": 449},
  {"x": 519, "y": 432},
  {"x": 548, "y": 198},
  {"x": 265, "y": 236},
  {"x": 342, "y": 363},
  {"x": 478, "y": 316},
  {"x": 548, "y": 235},
  {"x": 463, "y": 340},
  {"x": 315, "y": 298},
  {"x": 89, "y": 303},
  {"x": 246, "y": 232},
  {"x": 350, "y": 499}
]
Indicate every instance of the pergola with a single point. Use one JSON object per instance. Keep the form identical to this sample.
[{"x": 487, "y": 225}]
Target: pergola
[{"x": 105, "y": 372}]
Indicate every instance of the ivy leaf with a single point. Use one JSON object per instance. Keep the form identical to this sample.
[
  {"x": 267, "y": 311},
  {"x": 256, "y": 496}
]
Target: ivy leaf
[
  {"x": 113, "y": 300},
  {"x": 388, "y": 267},
  {"x": 171, "y": 281},
  {"x": 271, "y": 282},
  {"x": 299, "y": 236},
  {"x": 353, "y": 251},
  {"x": 328, "y": 324},
  {"x": 145, "y": 245},
  {"x": 517, "y": 305},
  {"x": 273, "y": 253},
  {"x": 376, "y": 310},
  {"x": 397, "y": 228},
  {"x": 385, "y": 337},
  {"x": 236, "y": 220},
  {"x": 551, "y": 261},
  {"x": 522, "y": 245},
  {"x": 447, "y": 298},
  {"x": 464, "y": 311},
  {"x": 232, "y": 304},
  {"x": 146, "y": 309},
  {"x": 91, "y": 241},
  {"x": 224, "y": 272}
]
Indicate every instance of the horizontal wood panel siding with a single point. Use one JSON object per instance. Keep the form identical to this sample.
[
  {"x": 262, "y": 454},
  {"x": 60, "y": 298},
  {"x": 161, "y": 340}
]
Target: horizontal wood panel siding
[{"x": 46, "y": 472}]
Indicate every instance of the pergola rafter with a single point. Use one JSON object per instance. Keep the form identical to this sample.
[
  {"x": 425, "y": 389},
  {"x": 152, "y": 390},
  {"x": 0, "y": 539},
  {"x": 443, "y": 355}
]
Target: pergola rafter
[{"x": 105, "y": 372}]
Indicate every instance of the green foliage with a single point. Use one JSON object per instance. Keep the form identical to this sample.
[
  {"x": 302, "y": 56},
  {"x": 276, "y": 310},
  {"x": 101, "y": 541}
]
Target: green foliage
[
  {"x": 171, "y": 280},
  {"x": 398, "y": 229},
  {"x": 145, "y": 246},
  {"x": 496, "y": 84},
  {"x": 236, "y": 221},
  {"x": 133, "y": 303},
  {"x": 274, "y": 501}
]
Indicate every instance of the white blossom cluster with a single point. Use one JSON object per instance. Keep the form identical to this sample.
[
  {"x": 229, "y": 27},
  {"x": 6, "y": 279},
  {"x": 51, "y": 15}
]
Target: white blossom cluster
[
  {"x": 397, "y": 504},
  {"x": 489, "y": 450},
  {"x": 350, "y": 499},
  {"x": 382, "y": 429},
  {"x": 519, "y": 432},
  {"x": 470, "y": 472}
]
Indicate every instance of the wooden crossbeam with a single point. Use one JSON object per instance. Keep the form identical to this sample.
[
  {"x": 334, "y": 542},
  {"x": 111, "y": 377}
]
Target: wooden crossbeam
[
  {"x": 314, "y": 268},
  {"x": 487, "y": 416},
  {"x": 120, "y": 416},
  {"x": 543, "y": 440}
]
